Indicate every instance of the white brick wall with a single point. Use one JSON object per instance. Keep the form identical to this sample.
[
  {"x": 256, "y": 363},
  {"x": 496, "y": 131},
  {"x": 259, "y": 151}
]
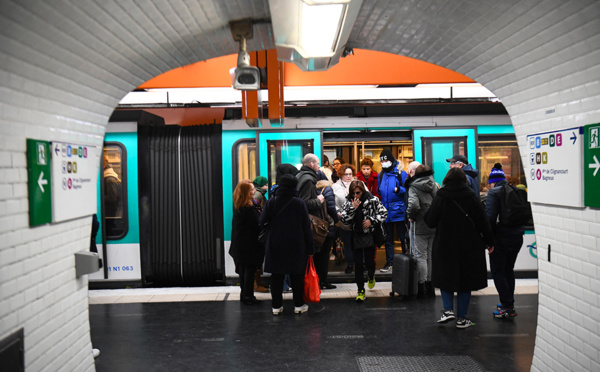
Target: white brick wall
[{"x": 64, "y": 65}]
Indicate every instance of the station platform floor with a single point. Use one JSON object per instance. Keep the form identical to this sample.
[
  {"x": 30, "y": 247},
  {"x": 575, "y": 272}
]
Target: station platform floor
[{"x": 197, "y": 329}]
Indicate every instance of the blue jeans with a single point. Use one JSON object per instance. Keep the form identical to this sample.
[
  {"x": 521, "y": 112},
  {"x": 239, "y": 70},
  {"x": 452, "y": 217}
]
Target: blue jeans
[
  {"x": 502, "y": 264},
  {"x": 347, "y": 240},
  {"x": 389, "y": 242},
  {"x": 462, "y": 302}
]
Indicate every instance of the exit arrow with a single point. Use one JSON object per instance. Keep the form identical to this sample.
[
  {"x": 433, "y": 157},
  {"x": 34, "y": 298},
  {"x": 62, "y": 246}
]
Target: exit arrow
[
  {"x": 56, "y": 150},
  {"x": 574, "y": 138},
  {"x": 42, "y": 181},
  {"x": 596, "y": 165}
]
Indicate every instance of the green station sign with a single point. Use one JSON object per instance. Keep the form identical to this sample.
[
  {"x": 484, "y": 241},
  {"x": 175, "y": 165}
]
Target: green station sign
[
  {"x": 591, "y": 165},
  {"x": 40, "y": 193}
]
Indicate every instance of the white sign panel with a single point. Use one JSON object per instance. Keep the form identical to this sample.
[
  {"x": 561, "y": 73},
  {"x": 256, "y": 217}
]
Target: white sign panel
[
  {"x": 555, "y": 167},
  {"x": 74, "y": 179}
]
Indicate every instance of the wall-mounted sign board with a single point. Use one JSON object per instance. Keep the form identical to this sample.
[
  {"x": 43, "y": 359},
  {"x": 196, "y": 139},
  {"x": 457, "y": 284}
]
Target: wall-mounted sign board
[
  {"x": 555, "y": 164},
  {"x": 39, "y": 186},
  {"x": 591, "y": 165}
]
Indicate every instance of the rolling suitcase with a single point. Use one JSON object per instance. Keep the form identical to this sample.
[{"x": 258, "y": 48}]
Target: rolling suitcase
[{"x": 404, "y": 276}]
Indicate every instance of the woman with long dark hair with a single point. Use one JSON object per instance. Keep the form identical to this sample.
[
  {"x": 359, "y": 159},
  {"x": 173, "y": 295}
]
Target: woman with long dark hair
[
  {"x": 361, "y": 212},
  {"x": 462, "y": 234},
  {"x": 247, "y": 252}
]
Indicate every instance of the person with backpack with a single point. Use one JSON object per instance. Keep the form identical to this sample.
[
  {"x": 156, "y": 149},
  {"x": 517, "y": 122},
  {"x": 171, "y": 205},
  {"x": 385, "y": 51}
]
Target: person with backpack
[{"x": 504, "y": 208}]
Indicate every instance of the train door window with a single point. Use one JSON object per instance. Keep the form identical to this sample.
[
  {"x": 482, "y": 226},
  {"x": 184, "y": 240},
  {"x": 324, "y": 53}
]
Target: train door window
[
  {"x": 503, "y": 150},
  {"x": 114, "y": 198},
  {"x": 286, "y": 152},
  {"x": 245, "y": 160},
  {"x": 437, "y": 149}
]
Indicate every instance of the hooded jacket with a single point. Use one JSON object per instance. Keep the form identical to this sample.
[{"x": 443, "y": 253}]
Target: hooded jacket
[
  {"x": 472, "y": 175},
  {"x": 307, "y": 191},
  {"x": 421, "y": 192},
  {"x": 391, "y": 189},
  {"x": 371, "y": 182}
]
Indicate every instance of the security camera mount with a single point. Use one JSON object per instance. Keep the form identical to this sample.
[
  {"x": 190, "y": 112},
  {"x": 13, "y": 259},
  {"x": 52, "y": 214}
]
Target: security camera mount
[{"x": 247, "y": 77}]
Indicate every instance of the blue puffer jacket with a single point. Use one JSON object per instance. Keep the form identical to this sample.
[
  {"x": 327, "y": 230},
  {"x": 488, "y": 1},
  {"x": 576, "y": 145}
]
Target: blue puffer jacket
[{"x": 393, "y": 201}]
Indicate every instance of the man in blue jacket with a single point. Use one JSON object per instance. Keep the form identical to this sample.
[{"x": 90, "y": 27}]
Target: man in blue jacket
[
  {"x": 461, "y": 161},
  {"x": 391, "y": 189}
]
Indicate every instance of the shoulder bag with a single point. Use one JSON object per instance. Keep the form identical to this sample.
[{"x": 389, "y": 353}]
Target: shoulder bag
[
  {"x": 319, "y": 227},
  {"x": 266, "y": 227}
]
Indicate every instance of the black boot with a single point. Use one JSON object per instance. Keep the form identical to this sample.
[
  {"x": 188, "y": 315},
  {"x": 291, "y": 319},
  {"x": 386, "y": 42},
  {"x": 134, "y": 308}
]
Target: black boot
[
  {"x": 430, "y": 289},
  {"x": 422, "y": 292}
]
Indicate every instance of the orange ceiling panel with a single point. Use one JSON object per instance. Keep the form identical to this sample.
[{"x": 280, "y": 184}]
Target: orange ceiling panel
[{"x": 365, "y": 67}]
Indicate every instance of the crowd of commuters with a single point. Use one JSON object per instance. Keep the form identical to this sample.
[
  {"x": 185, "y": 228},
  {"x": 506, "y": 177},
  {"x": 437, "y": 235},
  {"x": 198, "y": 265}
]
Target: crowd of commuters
[{"x": 449, "y": 229}]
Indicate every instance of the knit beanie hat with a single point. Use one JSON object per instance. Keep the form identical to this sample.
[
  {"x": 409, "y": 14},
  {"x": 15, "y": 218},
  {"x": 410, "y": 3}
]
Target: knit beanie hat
[
  {"x": 288, "y": 181},
  {"x": 386, "y": 155},
  {"x": 497, "y": 174},
  {"x": 260, "y": 181}
]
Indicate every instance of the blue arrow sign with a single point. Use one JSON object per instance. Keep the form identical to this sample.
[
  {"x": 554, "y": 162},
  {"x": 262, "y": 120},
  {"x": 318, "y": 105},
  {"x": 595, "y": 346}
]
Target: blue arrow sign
[{"x": 574, "y": 138}]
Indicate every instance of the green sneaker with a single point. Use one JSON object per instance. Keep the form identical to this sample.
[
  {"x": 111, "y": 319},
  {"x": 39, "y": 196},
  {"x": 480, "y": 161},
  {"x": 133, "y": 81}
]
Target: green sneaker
[
  {"x": 372, "y": 283},
  {"x": 361, "y": 296}
]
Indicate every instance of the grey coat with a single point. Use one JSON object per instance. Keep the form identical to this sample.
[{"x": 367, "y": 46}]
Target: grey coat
[{"x": 420, "y": 195}]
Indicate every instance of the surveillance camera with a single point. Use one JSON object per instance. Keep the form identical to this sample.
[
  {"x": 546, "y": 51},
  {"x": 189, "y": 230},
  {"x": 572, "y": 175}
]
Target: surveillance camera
[{"x": 247, "y": 78}]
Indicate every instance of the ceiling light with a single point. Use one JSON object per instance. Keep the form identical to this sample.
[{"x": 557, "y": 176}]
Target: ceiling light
[{"x": 312, "y": 33}]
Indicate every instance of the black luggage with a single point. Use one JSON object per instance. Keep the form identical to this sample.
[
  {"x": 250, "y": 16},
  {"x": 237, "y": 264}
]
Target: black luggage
[{"x": 404, "y": 276}]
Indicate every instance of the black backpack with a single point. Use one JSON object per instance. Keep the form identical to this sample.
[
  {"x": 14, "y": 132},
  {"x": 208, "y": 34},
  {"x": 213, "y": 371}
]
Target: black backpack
[{"x": 515, "y": 210}]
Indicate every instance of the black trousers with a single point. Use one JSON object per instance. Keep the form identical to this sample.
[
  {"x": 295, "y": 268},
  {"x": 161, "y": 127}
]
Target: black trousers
[
  {"x": 502, "y": 264},
  {"x": 359, "y": 267},
  {"x": 277, "y": 290},
  {"x": 322, "y": 259},
  {"x": 246, "y": 274}
]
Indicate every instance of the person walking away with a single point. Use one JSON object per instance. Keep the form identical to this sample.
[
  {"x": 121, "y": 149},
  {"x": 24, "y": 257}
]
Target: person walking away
[
  {"x": 368, "y": 176},
  {"x": 322, "y": 255},
  {"x": 391, "y": 189},
  {"x": 507, "y": 243},
  {"x": 260, "y": 187},
  {"x": 247, "y": 252},
  {"x": 361, "y": 212},
  {"x": 341, "y": 190},
  {"x": 462, "y": 234},
  {"x": 461, "y": 161},
  {"x": 289, "y": 243},
  {"x": 421, "y": 193}
]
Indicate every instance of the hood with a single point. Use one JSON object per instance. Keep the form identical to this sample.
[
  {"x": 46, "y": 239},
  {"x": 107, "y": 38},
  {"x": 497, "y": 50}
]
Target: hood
[
  {"x": 470, "y": 171},
  {"x": 109, "y": 172},
  {"x": 455, "y": 191},
  {"x": 424, "y": 183},
  {"x": 323, "y": 183}
]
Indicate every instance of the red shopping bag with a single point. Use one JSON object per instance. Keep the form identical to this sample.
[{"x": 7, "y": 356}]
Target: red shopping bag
[{"x": 312, "y": 288}]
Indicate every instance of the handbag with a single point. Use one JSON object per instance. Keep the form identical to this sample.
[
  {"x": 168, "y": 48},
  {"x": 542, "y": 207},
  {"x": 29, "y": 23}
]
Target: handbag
[
  {"x": 362, "y": 241},
  {"x": 319, "y": 227},
  {"x": 266, "y": 227},
  {"x": 379, "y": 234},
  {"x": 312, "y": 288}
]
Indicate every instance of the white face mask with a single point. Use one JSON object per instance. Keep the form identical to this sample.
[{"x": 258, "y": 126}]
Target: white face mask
[{"x": 386, "y": 164}]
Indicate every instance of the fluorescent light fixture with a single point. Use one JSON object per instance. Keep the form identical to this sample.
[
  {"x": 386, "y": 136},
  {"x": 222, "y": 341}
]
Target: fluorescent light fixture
[{"x": 312, "y": 33}]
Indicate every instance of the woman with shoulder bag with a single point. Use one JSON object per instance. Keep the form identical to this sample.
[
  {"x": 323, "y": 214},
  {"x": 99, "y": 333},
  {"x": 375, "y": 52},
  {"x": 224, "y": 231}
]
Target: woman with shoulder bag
[{"x": 362, "y": 211}]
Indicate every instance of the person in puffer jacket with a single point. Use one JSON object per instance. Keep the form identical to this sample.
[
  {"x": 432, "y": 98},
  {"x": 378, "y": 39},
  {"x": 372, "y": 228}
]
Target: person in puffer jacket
[
  {"x": 391, "y": 189},
  {"x": 322, "y": 254},
  {"x": 420, "y": 195}
]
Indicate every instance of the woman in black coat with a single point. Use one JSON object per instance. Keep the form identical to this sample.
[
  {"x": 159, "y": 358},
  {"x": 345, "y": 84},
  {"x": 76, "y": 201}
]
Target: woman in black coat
[
  {"x": 245, "y": 249},
  {"x": 462, "y": 234},
  {"x": 289, "y": 243}
]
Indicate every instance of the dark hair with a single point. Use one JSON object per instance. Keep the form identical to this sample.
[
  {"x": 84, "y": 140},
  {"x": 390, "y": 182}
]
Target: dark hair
[
  {"x": 343, "y": 168},
  {"x": 325, "y": 160},
  {"x": 455, "y": 175},
  {"x": 366, "y": 161},
  {"x": 422, "y": 168},
  {"x": 340, "y": 159},
  {"x": 356, "y": 185}
]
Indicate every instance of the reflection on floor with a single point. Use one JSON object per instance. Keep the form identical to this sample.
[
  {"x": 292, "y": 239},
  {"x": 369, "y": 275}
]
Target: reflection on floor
[{"x": 334, "y": 335}]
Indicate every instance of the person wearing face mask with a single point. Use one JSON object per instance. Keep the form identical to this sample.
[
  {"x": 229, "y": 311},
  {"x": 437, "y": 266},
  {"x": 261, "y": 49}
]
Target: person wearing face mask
[{"x": 391, "y": 189}]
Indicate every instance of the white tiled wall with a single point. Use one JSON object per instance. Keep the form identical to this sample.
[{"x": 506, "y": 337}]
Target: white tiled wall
[{"x": 65, "y": 65}]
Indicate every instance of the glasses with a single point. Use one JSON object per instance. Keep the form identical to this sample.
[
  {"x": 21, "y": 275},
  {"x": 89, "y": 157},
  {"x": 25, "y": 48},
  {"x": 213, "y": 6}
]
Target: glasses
[
  {"x": 336, "y": 163},
  {"x": 456, "y": 162},
  {"x": 357, "y": 192}
]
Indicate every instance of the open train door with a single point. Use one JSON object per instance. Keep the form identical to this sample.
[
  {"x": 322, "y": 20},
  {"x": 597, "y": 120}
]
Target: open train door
[
  {"x": 286, "y": 147},
  {"x": 434, "y": 146}
]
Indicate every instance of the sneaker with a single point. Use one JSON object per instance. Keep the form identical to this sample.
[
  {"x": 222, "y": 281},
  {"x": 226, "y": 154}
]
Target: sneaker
[
  {"x": 348, "y": 269},
  {"x": 96, "y": 353},
  {"x": 301, "y": 309},
  {"x": 386, "y": 268},
  {"x": 464, "y": 323},
  {"x": 446, "y": 316},
  {"x": 277, "y": 311},
  {"x": 372, "y": 283},
  {"x": 504, "y": 313},
  {"x": 361, "y": 296}
]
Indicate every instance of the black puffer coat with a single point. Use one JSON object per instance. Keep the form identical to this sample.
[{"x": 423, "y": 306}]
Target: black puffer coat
[
  {"x": 458, "y": 248},
  {"x": 245, "y": 248}
]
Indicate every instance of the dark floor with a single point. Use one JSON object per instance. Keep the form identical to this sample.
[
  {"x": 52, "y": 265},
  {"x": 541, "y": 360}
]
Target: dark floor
[{"x": 383, "y": 334}]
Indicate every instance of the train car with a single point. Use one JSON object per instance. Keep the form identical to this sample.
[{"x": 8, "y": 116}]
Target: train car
[{"x": 174, "y": 227}]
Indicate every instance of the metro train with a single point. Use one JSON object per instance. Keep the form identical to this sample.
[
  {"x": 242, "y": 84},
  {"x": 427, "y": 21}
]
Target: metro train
[{"x": 172, "y": 223}]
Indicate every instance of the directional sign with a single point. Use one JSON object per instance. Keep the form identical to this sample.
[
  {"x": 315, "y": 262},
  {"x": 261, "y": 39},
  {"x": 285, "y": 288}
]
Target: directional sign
[
  {"x": 40, "y": 189},
  {"x": 591, "y": 165},
  {"x": 555, "y": 169}
]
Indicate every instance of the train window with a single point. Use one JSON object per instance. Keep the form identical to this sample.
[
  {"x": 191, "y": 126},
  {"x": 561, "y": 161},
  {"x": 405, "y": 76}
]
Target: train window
[
  {"x": 245, "y": 160},
  {"x": 437, "y": 149},
  {"x": 286, "y": 152},
  {"x": 114, "y": 197},
  {"x": 504, "y": 151},
  {"x": 354, "y": 151}
]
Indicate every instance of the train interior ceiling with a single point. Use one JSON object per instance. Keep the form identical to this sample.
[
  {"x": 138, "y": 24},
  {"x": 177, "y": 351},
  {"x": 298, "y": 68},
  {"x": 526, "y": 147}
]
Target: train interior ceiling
[{"x": 425, "y": 122}]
